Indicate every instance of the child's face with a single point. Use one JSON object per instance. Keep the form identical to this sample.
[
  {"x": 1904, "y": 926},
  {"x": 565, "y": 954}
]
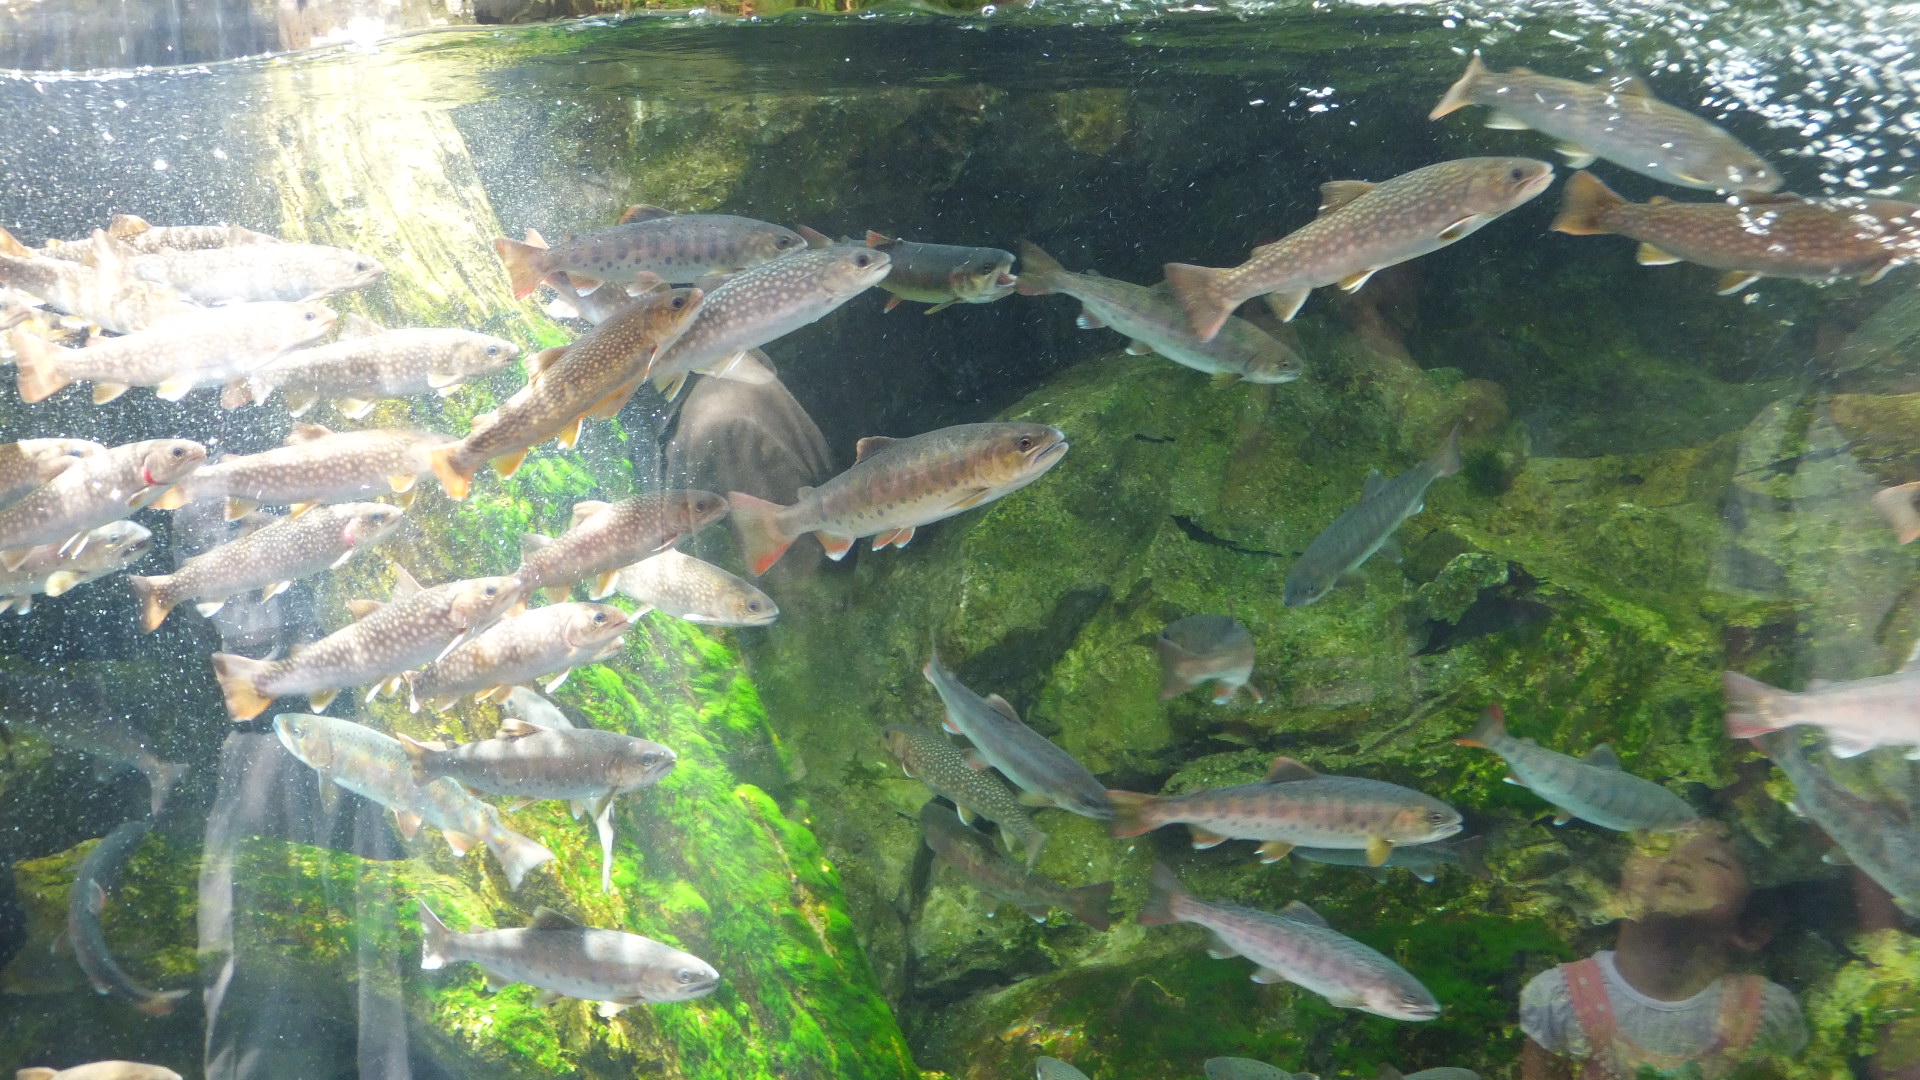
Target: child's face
[{"x": 1699, "y": 875}]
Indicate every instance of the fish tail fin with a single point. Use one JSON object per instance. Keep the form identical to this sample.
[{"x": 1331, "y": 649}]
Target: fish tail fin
[
  {"x": 1039, "y": 271},
  {"x": 1460, "y": 94},
  {"x": 1092, "y": 905},
  {"x": 763, "y": 537},
  {"x": 1132, "y": 813},
  {"x": 238, "y": 677},
  {"x": 452, "y": 472},
  {"x": 1446, "y": 460},
  {"x": 1584, "y": 202},
  {"x": 36, "y": 1073},
  {"x": 526, "y": 264},
  {"x": 1492, "y": 726},
  {"x": 1036, "y": 843},
  {"x": 517, "y": 854},
  {"x": 1753, "y": 707},
  {"x": 433, "y": 939},
  {"x": 161, "y": 779},
  {"x": 1162, "y": 890},
  {"x": 160, "y": 1004},
  {"x": 416, "y": 753},
  {"x": 1896, "y": 505},
  {"x": 155, "y": 602},
  {"x": 1201, "y": 294},
  {"x": 38, "y": 361}
]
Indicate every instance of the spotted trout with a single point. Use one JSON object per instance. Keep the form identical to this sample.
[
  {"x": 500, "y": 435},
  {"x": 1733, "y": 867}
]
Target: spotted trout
[
  {"x": 943, "y": 274},
  {"x": 679, "y": 248},
  {"x": 27, "y": 464},
  {"x": 85, "y": 904},
  {"x": 108, "y": 549},
  {"x": 1354, "y": 536},
  {"x": 1593, "y": 788},
  {"x": 605, "y": 538},
  {"x": 1857, "y": 716},
  {"x": 1026, "y": 757},
  {"x": 930, "y": 758},
  {"x": 967, "y": 851},
  {"x": 100, "y": 488},
  {"x": 567, "y": 960},
  {"x": 134, "y": 234},
  {"x": 518, "y": 650},
  {"x": 369, "y": 363},
  {"x": 677, "y": 584},
  {"x": 104, "y": 293},
  {"x": 528, "y": 761},
  {"x": 210, "y": 347},
  {"x": 246, "y": 272},
  {"x": 317, "y": 466},
  {"x": 1362, "y": 228}
]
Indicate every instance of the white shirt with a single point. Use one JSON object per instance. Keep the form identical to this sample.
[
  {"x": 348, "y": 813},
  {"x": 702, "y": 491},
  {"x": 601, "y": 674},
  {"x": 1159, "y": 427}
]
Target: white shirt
[{"x": 1670, "y": 1028}]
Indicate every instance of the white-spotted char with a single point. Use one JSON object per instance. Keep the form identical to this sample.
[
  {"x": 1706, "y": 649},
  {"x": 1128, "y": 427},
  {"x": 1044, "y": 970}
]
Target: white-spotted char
[
  {"x": 233, "y": 275},
  {"x": 369, "y": 363},
  {"x": 107, "y": 550},
  {"x": 173, "y": 357},
  {"x": 684, "y": 587},
  {"x": 27, "y": 464},
  {"x": 528, "y": 761},
  {"x": 105, "y": 293},
  {"x": 100, "y": 488},
  {"x": 518, "y": 650},
  {"x": 316, "y": 466},
  {"x": 932, "y": 759},
  {"x": 1023, "y": 755}
]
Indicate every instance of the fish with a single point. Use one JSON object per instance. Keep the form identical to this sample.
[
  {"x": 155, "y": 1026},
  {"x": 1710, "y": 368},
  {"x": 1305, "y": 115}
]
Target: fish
[
  {"x": 1874, "y": 823},
  {"x": 1423, "y": 861},
  {"x": 133, "y": 233},
  {"x": 1857, "y": 716},
  {"x": 677, "y": 248},
  {"x": 1202, "y": 649},
  {"x": 605, "y": 538},
  {"x": 565, "y": 959},
  {"x": 85, "y": 903},
  {"x": 596, "y": 307},
  {"x": 1237, "y": 1068},
  {"x": 112, "y": 743},
  {"x": 1052, "y": 1068},
  {"x": 317, "y": 466},
  {"x": 528, "y": 761},
  {"x": 1295, "y": 945},
  {"x": 251, "y": 272},
  {"x": 753, "y": 437},
  {"x": 108, "y": 549},
  {"x": 518, "y": 649},
  {"x": 1295, "y": 806},
  {"x": 105, "y": 293},
  {"x": 688, "y": 588},
  {"x": 1755, "y": 236},
  {"x": 943, "y": 274},
  {"x": 1388, "y": 1072},
  {"x": 897, "y": 485},
  {"x": 1023, "y": 755},
  {"x": 101, "y": 488},
  {"x": 1593, "y": 788},
  {"x": 1367, "y": 526},
  {"x": 1616, "y": 118},
  {"x": 967, "y": 851},
  {"x": 526, "y": 704},
  {"x": 215, "y": 346},
  {"x": 930, "y": 758},
  {"x": 414, "y": 628},
  {"x": 27, "y": 464},
  {"x": 591, "y": 378},
  {"x": 369, "y": 363},
  {"x": 1896, "y": 505},
  {"x": 760, "y": 304},
  {"x": 100, "y": 1070},
  {"x": 1154, "y": 322},
  {"x": 372, "y": 765},
  {"x": 269, "y": 559},
  {"x": 1362, "y": 228}
]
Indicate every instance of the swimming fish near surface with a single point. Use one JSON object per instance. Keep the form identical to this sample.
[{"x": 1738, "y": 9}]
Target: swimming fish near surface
[
  {"x": 678, "y": 248},
  {"x": 897, "y": 485},
  {"x": 105, "y": 293},
  {"x": 100, "y": 488},
  {"x": 565, "y": 959},
  {"x": 1423, "y": 861},
  {"x": 1201, "y": 649},
  {"x": 214, "y": 346},
  {"x": 250, "y": 272},
  {"x": 107, "y": 550},
  {"x": 1362, "y": 228},
  {"x": 1023, "y": 755},
  {"x": 1236, "y": 1068},
  {"x": 1367, "y": 526},
  {"x": 1616, "y": 118},
  {"x": 1754, "y": 236},
  {"x": 929, "y": 757},
  {"x": 1295, "y": 806},
  {"x": 85, "y": 904},
  {"x": 368, "y": 363},
  {"x": 1052, "y": 1068},
  {"x": 943, "y": 274},
  {"x": 134, "y": 234},
  {"x": 605, "y": 538},
  {"x": 317, "y": 466},
  {"x": 1857, "y": 716},
  {"x": 1593, "y": 788},
  {"x": 1154, "y": 321},
  {"x": 1295, "y": 945},
  {"x": 100, "y": 1070},
  {"x": 968, "y": 851},
  {"x": 520, "y": 649},
  {"x": 27, "y": 464},
  {"x": 677, "y": 584}
]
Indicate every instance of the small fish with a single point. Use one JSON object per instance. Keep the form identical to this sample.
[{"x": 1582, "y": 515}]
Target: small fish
[
  {"x": 1616, "y": 118},
  {"x": 678, "y": 248},
  {"x": 1593, "y": 788},
  {"x": 251, "y": 272},
  {"x": 967, "y": 851},
  {"x": 372, "y": 765},
  {"x": 1354, "y": 536},
  {"x": 596, "y": 307},
  {"x": 1295, "y": 806},
  {"x": 1857, "y": 716},
  {"x": 527, "y": 704},
  {"x": 317, "y": 466},
  {"x": 565, "y": 959},
  {"x": 1297, "y": 946},
  {"x": 1753, "y": 237},
  {"x": 1874, "y": 823},
  {"x": 414, "y": 628},
  {"x": 100, "y": 1070},
  {"x": 101, "y": 488},
  {"x": 943, "y": 274},
  {"x": 135, "y": 235},
  {"x": 758, "y": 305},
  {"x": 898, "y": 485},
  {"x": 1201, "y": 649},
  {"x": 591, "y": 378},
  {"x": 605, "y": 538},
  {"x": 270, "y": 559},
  {"x": 27, "y": 464},
  {"x": 369, "y": 363},
  {"x": 688, "y": 588},
  {"x": 1896, "y": 504},
  {"x": 1026, "y": 757},
  {"x": 930, "y": 758},
  {"x": 1423, "y": 861},
  {"x": 108, "y": 549},
  {"x": 110, "y": 741},
  {"x": 527, "y": 761},
  {"x": 86, "y": 902},
  {"x": 105, "y": 294},
  {"x": 519, "y": 649},
  {"x": 214, "y": 346},
  {"x": 1362, "y": 228},
  {"x": 1235, "y": 1068},
  {"x": 1051, "y": 1068},
  {"x": 1153, "y": 321},
  {"x": 1388, "y": 1072}
]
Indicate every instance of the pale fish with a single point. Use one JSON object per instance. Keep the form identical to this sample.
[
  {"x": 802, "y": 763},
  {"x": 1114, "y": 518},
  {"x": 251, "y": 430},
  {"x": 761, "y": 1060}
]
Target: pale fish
[
  {"x": 517, "y": 650},
  {"x": 565, "y": 959},
  {"x": 1354, "y": 536},
  {"x": 87, "y": 729},
  {"x": 606, "y": 537},
  {"x": 249, "y": 272},
  {"x": 108, "y": 549},
  {"x": 1052, "y": 1068},
  {"x": 684, "y": 587},
  {"x": 174, "y": 357},
  {"x": 1593, "y": 788},
  {"x": 104, "y": 487},
  {"x": 1237, "y": 1068},
  {"x": 317, "y": 466},
  {"x": 1857, "y": 716},
  {"x": 1201, "y": 649},
  {"x": 105, "y": 293},
  {"x": 27, "y": 464},
  {"x": 369, "y": 363},
  {"x": 100, "y": 1070}
]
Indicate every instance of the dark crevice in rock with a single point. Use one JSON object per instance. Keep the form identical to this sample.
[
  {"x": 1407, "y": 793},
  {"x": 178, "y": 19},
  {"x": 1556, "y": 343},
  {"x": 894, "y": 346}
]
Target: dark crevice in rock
[
  {"x": 1019, "y": 662},
  {"x": 1196, "y": 532}
]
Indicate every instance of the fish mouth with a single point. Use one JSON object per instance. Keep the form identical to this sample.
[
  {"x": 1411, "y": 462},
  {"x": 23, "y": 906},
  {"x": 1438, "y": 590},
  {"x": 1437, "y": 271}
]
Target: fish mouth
[
  {"x": 1006, "y": 280},
  {"x": 1534, "y": 185},
  {"x": 1044, "y": 457}
]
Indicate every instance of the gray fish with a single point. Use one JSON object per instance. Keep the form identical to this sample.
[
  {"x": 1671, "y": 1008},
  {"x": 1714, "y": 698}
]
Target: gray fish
[
  {"x": 1154, "y": 322},
  {"x": 1872, "y": 820},
  {"x": 135, "y": 235},
  {"x": 678, "y": 248},
  {"x": 750, "y": 437},
  {"x": 1423, "y": 861},
  {"x": 269, "y": 559},
  {"x": 1025, "y": 756},
  {"x": 101, "y": 1070},
  {"x": 89, "y": 898},
  {"x": 108, "y": 549},
  {"x": 101, "y": 488},
  {"x": 1052, "y": 1068},
  {"x": 930, "y": 758},
  {"x": 110, "y": 741},
  {"x": 317, "y": 466},
  {"x": 27, "y": 464},
  {"x": 565, "y": 959},
  {"x": 1388, "y": 1072},
  {"x": 531, "y": 762},
  {"x": 519, "y": 649},
  {"x": 1236, "y": 1068},
  {"x": 1354, "y": 536},
  {"x": 1201, "y": 649},
  {"x": 1618, "y": 119},
  {"x": 369, "y": 363},
  {"x": 1858, "y": 715},
  {"x": 967, "y": 851},
  {"x": 1593, "y": 788},
  {"x": 527, "y": 704},
  {"x": 105, "y": 293},
  {"x": 607, "y": 537},
  {"x": 688, "y": 588},
  {"x": 1297, "y": 946},
  {"x": 174, "y": 357},
  {"x": 943, "y": 274},
  {"x": 233, "y": 275}
]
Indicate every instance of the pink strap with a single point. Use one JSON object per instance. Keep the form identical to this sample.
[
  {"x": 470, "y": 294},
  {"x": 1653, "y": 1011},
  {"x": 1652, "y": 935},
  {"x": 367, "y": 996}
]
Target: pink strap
[{"x": 1588, "y": 989}]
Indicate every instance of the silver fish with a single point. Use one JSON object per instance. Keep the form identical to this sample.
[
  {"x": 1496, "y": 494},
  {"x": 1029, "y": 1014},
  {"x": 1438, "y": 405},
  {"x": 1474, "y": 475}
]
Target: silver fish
[
  {"x": 133, "y": 234},
  {"x": 174, "y": 357},
  {"x": 1354, "y": 536},
  {"x": 1593, "y": 788},
  {"x": 1236, "y": 1068},
  {"x": 1873, "y": 819},
  {"x": 1201, "y": 649},
  {"x": 519, "y": 649},
  {"x": 1388, "y": 1072},
  {"x": 27, "y": 464},
  {"x": 108, "y": 549},
  {"x": 232, "y": 275},
  {"x": 89, "y": 898},
  {"x": 370, "y": 362},
  {"x": 316, "y": 466},
  {"x": 104, "y": 487},
  {"x": 699, "y": 592},
  {"x": 1027, "y": 758},
  {"x": 530, "y": 762},
  {"x": 1857, "y": 716},
  {"x": 1052, "y": 1068},
  {"x": 101, "y": 1070}
]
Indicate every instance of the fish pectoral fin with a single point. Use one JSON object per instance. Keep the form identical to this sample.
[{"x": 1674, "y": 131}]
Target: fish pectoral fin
[
  {"x": 670, "y": 386},
  {"x": 1505, "y": 121},
  {"x": 1285, "y": 305},
  {"x": 460, "y": 842},
  {"x": 603, "y": 585},
  {"x": 1036, "y": 912},
  {"x": 1378, "y": 848},
  {"x": 892, "y": 302},
  {"x": 239, "y": 508},
  {"x": 1203, "y": 839},
  {"x": 1087, "y": 320},
  {"x": 975, "y": 759},
  {"x": 496, "y": 982},
  {"x": 1462, "y": 227},
  {"x": 1033, "y": 799},
  {"x": 556, "y": 682},
  {"x": 1136, "y": 347},
  {"x": 613, "y": 1008},
  {"x": 570, "y": 434},
  {"x": 209, "y": 608},
  {"x": 319, "y": 700},
  {"x": 297, "y": 509},
  {"x": 1578, "y": 157},
  {"x": 966, "y": 815},
  {"x": 546, "y": 998},
  {"x": 1220, "y": 950},
  {"x": 1561, "y": 817},
  {"x": 1846, "y": 746},
  {"x": 1352, "y": 282},
  {"x": 940, "y": 307},
  {"x": 278, "y": 587},
  {"x": 408, "y": 823},
  {"x": 1648, "y": 255},
  {"x": 1874, "y": 275},
  {"x": 1003, "y": 707},
  {"x": 104, "y": 392},
  {"x": 402, "y": 482},
  {"x": 1734, "y": 280},
  {"x": 1274, "y": 850},
  {"x": 329, "y": 795},
  {"x": 1266, "y": 976},
  {"x": 174, "y": 389}
]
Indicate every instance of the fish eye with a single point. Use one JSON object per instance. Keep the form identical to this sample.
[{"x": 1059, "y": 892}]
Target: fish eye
[
  {"x": 179, "y": 451},
  {"x": 493, "y": 350},
  {"x": 1516, "y": 174},
  {"x": 650, "y": 758},
  {"x": 863, "y": 260},
  {"x": 687, "y": 975},
  {"x": 311, "y": 315},
  {"x": 753, "y": 605},
  {"x": 491, "y": 590},
  {"x": 1437, "y": 818},
  {"x": 1025, "y": 444},
  {"x": 360, "y": 266},
  {"x": 599, "y": 617},
  {"x": 783, "y": 241}
]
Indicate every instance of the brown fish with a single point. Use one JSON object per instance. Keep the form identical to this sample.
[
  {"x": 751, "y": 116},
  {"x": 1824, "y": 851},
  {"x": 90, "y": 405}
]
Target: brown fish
[
  {"x": 967, "y": 851},
  {"x": 27, "y": 464},
  {"x": 103, "y": 487},
  {"x": 1754, "y": 237},
  {"x": 1202, "y": 649},
  {"x": 593, "y": 377},
  {"x": 101, "y": 1070},
  {"x": 369, "y": 363},
  {"x": 679, "y": 248},
  {"x": 1362, "y": 228},
  {"x": 607, "y": 537},
  {"x": 105, "y": 293},
  {"x": 944, "y": 274},
  {"x": 517, "y": 650},
  {"x": 316, "y": 466},
  {"x": 211, "y": 346},
  {"x": 232, "y": 275},
  {"x": 1896, "y": 505},
  {"x": 108, "y": 549}
]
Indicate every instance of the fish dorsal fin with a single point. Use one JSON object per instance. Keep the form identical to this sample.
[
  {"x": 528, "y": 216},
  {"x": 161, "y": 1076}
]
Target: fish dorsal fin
[
  {"x": 1286, "y": 769},
  {"x": 870, "y": 446},
  {"x": 403, "y": 583},
  {"x": 1603, "y": 757},
  {"x": 644, "y": 212},
  {"x": 545, "y": 918},
  {"x": 109, "y": 255},
  {"x": 1375, "y": 481},
  {"x": 514, "y": 727},
  {"x": 1521, "y": 71},
  {"x": 532, "y": 542},
  {"x": 879, "y": 240},
  {"x": 585, "y": 509},
  {"x": 1000, "y": 705},
  {"x": 539, "y": 362},
  {"x": 814, "y": 237},
  {"x": 1335, "y": 194},
  {"x": 1626, "y": 85},
  {"x": 353, "y": 325},
  {"x": 125, "y": 225},
  {"x": 306, "y": 433},
  {"x": 1299, "y": 912}
]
